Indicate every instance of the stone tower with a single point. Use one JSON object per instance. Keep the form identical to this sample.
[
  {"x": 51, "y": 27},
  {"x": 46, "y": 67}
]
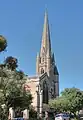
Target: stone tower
[
  {"x": 44, "y": 58},
  {"x": 45, "y": 62},
  {"x": 45, "y": 84}
]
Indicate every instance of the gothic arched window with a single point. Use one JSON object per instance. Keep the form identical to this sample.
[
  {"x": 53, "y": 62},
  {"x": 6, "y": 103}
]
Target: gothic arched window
[
  {"x": 54, "y": 85},
  {"x": 40, "y": 60},
  {"x": 45, "y": 93},
  {"x": 42, "y": 71}
]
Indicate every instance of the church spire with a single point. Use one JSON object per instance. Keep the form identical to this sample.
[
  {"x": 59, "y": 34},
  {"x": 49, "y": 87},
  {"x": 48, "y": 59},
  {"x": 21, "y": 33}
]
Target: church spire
[{"x": 46, "y": 44}]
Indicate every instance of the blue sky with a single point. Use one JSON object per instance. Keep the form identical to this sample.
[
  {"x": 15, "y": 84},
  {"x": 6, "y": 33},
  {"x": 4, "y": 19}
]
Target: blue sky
[{"x": 21, "y": 23}]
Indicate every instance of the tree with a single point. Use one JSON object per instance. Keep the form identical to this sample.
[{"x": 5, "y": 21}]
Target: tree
[
  {"x": 75, "y": 98},
  {"x": 12, "y": 82},
  {"x": 32, "y": 113},
  {"x": 12, "y": 92},
  {"x": 59, "y": 104},
  {"x": 71, "y": 100},
  {"x": 11, "y": 62},
  {"x": 3, "y": 43}
]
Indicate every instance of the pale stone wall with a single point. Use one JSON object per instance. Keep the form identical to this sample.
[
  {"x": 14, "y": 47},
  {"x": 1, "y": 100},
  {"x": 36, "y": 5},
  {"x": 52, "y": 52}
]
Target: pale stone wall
[{"x": 32, "y": 83}]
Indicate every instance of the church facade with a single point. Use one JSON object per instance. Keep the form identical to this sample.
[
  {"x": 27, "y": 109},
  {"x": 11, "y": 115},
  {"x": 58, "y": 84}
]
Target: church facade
[{"x": 45, "y": 84}]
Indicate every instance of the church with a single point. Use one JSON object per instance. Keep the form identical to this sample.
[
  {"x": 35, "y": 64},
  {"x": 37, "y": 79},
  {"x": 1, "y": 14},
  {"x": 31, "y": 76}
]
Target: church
[{"x": 45, "y": 84}]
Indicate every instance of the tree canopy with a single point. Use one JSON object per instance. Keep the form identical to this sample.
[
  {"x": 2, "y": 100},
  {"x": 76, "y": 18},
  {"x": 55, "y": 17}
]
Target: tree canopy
[
  {"x": 71, "y": 100},
  {"x": 3, "y": 43},
  {"x": 12, "y": 85},
  {"x": 12, "y": 92},
  {"x": 11, "y": 62}
]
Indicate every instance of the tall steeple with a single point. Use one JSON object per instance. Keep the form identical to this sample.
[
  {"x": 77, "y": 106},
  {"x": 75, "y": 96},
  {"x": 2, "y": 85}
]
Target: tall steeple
[
  {"x": 45, "y": 64},
  {"x": 45, "y": 60},
  {"x": 46, "y": 44}
]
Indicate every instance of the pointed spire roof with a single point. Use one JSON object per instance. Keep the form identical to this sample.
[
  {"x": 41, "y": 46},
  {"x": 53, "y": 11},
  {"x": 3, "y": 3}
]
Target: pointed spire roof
[{"x": 46, "y": 44}]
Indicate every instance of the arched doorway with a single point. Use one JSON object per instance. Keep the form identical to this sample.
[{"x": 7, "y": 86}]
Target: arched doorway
[{"x": 45, "y": 93}]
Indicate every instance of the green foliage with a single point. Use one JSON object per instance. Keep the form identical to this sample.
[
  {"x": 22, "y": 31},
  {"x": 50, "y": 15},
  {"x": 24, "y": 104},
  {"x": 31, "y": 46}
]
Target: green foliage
[
  {"x": 59, "y": 104},
  {"x": 11, "y": 62},
  {"x": 71, "y": 100},
  {"x": 74, "y": 97},
  {"x": 32, "y": 113},
  {"x": 12, "y": 92}
]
